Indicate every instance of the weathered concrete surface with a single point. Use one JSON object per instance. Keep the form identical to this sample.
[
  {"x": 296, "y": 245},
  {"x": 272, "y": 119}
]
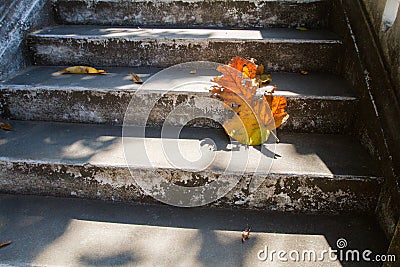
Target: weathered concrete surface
[
  {"x": 317, "y": 102},
  {"x": 388, "y": 37},
  {"x": 379, "y": 106},
  {"x": 277, "y": 49},
  {"x": 310, "y": 173},
  {"x": 250, "y": 14},
  {"x": 385, "y": 92},
  {"x": 50, "y": 231},
  {"x": 17, "y": 18}
]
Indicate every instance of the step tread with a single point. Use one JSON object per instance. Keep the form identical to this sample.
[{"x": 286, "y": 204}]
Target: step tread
[
  {"x": 313, "y": 155},
  {"x": 60, "y": 231},
  {"x": 314, "y": 85},
  {"x": 132, "y": 33}
]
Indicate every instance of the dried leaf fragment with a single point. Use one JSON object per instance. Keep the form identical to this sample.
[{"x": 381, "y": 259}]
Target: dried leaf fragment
[
  {"x": 4, "y": 244},
  {"x": 304, "y": 72},
  {"x": 82, "y": 70},
  {"x": 301, "y": 29},
  {"x": 265, "y": 78},
  {"x": 5, "y": 126},
  {"x": 135, "y": 78},
  {"x": 193, "y": 72},
  {"x": 246, "y": 233}
]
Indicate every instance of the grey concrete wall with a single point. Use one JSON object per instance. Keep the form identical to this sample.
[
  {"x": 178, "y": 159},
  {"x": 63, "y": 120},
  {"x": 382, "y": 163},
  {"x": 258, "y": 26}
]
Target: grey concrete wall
[
  {"x": 384, "y": 19},
  {"x": 369, "y": 66},
  {"x": 17, "y": 18},
  {"x": 388, "y": 38}
]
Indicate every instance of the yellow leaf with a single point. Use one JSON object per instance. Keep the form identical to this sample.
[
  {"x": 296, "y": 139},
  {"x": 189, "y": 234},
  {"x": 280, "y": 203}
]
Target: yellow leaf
[
  {"x": 5, "y": 126},
  {"x": 265, "y": 78},
  {"x": 82, "y": 70},
  {"x": 304, "y": 72},
  {"x": 301, "y": 29},
  {"x": 135, "y": 78},
  {"x": 244, "y": 132}
]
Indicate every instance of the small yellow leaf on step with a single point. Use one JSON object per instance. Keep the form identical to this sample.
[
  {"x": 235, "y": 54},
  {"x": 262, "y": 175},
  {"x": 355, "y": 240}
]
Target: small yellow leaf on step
[
  {"x": 135, "y": 78},
  {"x": 301, "y": 28},
  {"x": 304, "y": 72},
  {"x": 82, "y": 70},
  {"x": 266, "y": 78}
]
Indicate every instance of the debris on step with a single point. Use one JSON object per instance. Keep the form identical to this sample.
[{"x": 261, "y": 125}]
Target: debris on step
[
  {"x": 82, "y": 70},
  {"x": 135, "y": 78},
  {"x": 246, "y": 233},
  {"x": 303, "y": 72},
  {"x": 4, "y": 244},
  {"x": 5, "y": 126}
]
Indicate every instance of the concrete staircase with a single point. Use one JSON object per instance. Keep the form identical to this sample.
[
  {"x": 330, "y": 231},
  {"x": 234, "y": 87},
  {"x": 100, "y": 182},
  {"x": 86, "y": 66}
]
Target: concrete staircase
[{"x": 67, "y": 137}]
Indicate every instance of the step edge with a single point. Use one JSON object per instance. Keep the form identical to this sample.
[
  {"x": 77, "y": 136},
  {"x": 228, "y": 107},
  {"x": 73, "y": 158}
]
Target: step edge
[
  {"x": 333, "y": 177},
  {"x": 231, "y": 40},
  {"x": 15, "y": 88}
]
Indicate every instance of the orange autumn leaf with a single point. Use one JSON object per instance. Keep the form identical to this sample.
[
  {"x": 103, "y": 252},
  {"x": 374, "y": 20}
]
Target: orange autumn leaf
[
  {"x": 256, "y": 116},
  {"x": 277, "y": 105},
  {"x": 232, "y": 80},
  {"x": 247, "y": 67}
]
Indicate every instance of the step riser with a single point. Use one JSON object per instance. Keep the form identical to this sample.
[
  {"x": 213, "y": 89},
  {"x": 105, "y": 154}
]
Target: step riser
[
  {"x": 282, "y": 193},
  {"x": 276, "y": 55},
  {"x": 243, "y": 14},
  {"x": 306, "y": 115}
]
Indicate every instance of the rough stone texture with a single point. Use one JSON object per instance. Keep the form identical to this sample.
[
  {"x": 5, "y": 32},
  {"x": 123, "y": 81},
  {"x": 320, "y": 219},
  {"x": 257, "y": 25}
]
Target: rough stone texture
[
  {"x": 388, "y": 39},
  {"x": 387, "y": 42},
  {"x": 279, "y": 193},
  {"x": 17, "y": 18},
  {"x": 49, "y": 231},
  {"x": 250, "y": 14},
  {"x": 277, "y": 49},
  {"x": 310, "y": 173},
  {"x": 316, "y": 103},
  {"x": 379, "y": 105}
]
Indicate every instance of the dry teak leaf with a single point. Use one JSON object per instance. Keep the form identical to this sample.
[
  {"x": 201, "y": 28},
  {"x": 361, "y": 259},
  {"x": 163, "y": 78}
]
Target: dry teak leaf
[
  {"x": 255, "y": 117},
  {"x": 135, "y": 78},
  {"x": 5, "y": 126},
  {"x": 4, "y": 244},
  {"x": 82, "y": 70}
]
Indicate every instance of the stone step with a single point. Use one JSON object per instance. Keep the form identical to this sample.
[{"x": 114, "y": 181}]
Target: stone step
[
  {"x": 220, "y": 13},
  {"x": 278, "y": 49},
  {"x": 49, "y": 231},
  {"x": 303, "y": 173},
  {"x": 318, "y": 102}
]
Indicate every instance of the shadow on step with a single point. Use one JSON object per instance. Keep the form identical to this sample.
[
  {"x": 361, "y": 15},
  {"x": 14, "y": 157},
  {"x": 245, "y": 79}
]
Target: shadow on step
[{"x": 76, "y": 232}]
